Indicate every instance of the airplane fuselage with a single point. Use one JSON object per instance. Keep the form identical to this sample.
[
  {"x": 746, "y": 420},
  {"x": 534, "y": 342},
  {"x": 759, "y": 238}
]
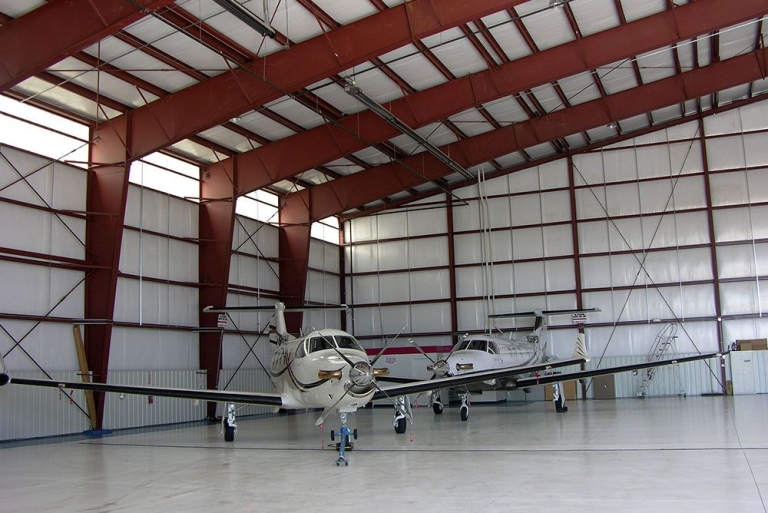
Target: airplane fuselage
[
  {"x": 310, "y": 372},
  {"x": 482, "y": 352}
]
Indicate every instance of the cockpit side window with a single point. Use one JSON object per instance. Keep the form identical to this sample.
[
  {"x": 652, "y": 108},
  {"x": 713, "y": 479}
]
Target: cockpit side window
[
  {"x": 346, "y": 342},
  {"x": 301, "y": 351},
  {"x": 493, "y": 348},
  {"x": 478, "y": 345},
  {"x": 318, "y": 344}
]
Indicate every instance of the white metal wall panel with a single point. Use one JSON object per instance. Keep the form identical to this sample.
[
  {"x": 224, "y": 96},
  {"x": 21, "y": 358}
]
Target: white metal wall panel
[
  {"x": 134, "y": 348},
  {"x": 558, "y": 240},
  {"x": 425, "y": 285},
  {"x": 527, "y": 243},
  {"x": 314, "y": 320},
  {"x": 744, "y": 329},
  {"x": 162, "y": 213},
  {"x": 525, "y": 210},
  {"x": 33, "y": 412},
  {"x": 472, "y": 314},
  {"x": 394, "y": 287},
  {"x": 429, "y": 318},
  {"x": 50, "y": 344},
  {"x": 145, "y": 254},
  {"x": 689, "y": 193},
  {"x": 620, "y": 165},
  {"x": 625, "y": 234},
  {"x": 365, "y": 321},
  {"x": 393, "y": 225},
  {"x": 525, "y": 180},
  {"x": 34, "y": 290},
  {"x": 156, "y": 303},
  {"x": 255, "y": 238},
  {"x": 590, "y": 202},
  {"x": 466, "y": 217},
  {"x": 655, "y": 196},
  {"x": 252, "y": 272},
  {"x": 393, "y": 255},
  {"x": 559, "y": 275},
  {"x": 365, "y": 289},
  {"x": 595, "y": 272},
  {"x": 322, "y": 287},
  {"x": 427, "y": 252},
  {"x": 736, "y": 261},
  {"x": 427, "y": 222},
  {"x": 553, "y": 175},
  {"x": 725, "y": 152},
  {"x": 364, "y": 258},
  {"x": 593, "y": 237},
  {"x": 735, "y": 224},
  {"x": 529, "y": 277},
  {"x": 555, "y": 206},
  {"x": 324, "y": 255},
  {"x": 468, "y": 246},
  {"x": 469, "y": 281},
  {"x": 41, "y": 232},
  {"x": 742, "y": 298}
]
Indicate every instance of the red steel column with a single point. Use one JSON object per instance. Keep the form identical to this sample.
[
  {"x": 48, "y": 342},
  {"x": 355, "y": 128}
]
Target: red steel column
[
  {"x": 107, "y": 194},
  {"x": 217, "y": 222},
  {"x": 295, "y": 225}
]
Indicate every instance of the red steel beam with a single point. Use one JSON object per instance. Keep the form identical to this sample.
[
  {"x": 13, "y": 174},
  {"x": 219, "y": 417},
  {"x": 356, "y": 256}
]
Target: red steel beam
[
  {"x": 106, "y": 200},
  {"x": 169, "y": 120},
  {"x": 366, "y": 186},
  {"x": 217, "y": 222},
  {"x": 294, "y": 235},
  {"x": 287, "y": 157},
  {"x": 44, "y": 36}
]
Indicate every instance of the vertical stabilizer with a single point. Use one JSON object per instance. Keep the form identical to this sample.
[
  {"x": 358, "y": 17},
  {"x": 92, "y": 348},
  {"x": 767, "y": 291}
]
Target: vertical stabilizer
[{"x": 4, "y": 377}]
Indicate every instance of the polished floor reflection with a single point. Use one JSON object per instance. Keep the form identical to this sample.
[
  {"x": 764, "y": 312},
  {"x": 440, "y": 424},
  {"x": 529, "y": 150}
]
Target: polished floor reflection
[{"x": 696, "y": 454}]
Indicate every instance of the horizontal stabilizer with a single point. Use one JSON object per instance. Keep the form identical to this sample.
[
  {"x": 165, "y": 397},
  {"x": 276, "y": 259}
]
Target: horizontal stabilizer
[
  {"x": 554, "y": 378},
  {"x": 303, "y": 308},
  {"x": 543, "y": 312}
]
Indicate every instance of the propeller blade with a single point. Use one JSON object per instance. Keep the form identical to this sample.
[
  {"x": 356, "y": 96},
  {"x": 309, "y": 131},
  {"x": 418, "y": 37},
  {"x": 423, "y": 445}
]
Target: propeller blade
[
  {"x": 386, "y": 346},
  {"x": 328, "y": 411},
  {"x": 419, "y": 349}
]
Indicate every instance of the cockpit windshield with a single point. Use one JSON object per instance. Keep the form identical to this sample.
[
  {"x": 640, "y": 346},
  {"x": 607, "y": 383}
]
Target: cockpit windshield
[
  {"x": 315, "y": 344},
  {"x": 347, "y": 342}
]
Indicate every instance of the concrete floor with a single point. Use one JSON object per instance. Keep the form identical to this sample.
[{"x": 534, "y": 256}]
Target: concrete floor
[{"x": 696, "y": 454}]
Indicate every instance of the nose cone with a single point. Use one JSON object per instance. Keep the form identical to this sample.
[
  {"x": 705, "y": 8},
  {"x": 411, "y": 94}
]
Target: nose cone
[
  {"x": 440, "y": 368},
  {"x": 361, "y": 374}
]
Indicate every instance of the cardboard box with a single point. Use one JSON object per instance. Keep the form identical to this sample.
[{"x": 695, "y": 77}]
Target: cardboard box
[
  {"x": 569, "y": 391},
  {"x": 752, "y": 344}
]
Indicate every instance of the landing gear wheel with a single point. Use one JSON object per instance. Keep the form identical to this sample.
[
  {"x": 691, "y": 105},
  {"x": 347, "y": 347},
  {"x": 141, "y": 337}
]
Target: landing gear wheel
[
  {"x": 464, "y": 412},
  {"x": 229, "y": 432},
  {"x": 354, "y": 434},
  {"x": 333, "y": 435},
  {"x": 400, "y": 425},
  {"x": 437, "y": 408}
]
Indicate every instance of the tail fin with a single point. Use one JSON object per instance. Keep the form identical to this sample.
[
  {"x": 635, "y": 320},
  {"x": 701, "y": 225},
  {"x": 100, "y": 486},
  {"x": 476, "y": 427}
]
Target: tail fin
[
  {"x": 4, "y": 377},
  {"x": 580, "y": 348}
]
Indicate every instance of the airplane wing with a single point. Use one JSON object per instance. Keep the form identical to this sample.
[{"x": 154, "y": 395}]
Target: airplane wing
[
  {"x": 263, "y": 399},
  {"x": 553, "y": 378},
  {"x": 470, "y": 378}
]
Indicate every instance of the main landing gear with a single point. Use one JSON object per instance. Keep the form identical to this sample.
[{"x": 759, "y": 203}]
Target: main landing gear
[
  {"x": 464, "y": 410},
  {"x": 558, "y": 398},
  {"x": 402, "y": 414},
  {"x": 344, "y": 443},
  {"x": 229, "y": 424}
]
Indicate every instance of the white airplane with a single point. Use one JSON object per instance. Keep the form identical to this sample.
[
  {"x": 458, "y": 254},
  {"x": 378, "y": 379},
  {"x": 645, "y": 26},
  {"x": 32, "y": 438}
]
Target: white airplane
[
  {"x": 326, "y": 369},
  {"x": 483, "y": 353}
]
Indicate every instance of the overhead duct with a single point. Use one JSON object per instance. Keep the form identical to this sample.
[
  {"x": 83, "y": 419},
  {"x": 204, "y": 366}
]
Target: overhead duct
[
  {"x": 393, "y": 120},
  {"x": 246, "y": 16}
]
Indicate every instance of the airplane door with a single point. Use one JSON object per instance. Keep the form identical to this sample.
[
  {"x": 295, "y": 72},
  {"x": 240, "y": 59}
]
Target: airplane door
[{"x": 743, "y": 372}]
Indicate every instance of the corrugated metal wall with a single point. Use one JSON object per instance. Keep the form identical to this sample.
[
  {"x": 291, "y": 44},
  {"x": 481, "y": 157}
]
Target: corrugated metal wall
[
  {"x": 134, "y": 410},
  {"x": 31, "y": 412}
]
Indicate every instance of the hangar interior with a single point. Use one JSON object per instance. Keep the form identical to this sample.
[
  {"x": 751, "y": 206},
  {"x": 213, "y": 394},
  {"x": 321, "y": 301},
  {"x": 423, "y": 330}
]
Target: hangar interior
[{"x": 425, "y": 163}]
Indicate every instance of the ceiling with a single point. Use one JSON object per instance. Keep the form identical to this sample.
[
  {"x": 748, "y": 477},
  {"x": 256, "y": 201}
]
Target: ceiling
[{"x": 496, "y": 86}]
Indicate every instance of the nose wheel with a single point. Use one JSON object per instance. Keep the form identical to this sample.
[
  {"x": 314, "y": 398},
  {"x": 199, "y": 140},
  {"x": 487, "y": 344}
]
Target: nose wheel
[
  {"x": 402, "y": 414},
  {"x": 464, "y": 410}
]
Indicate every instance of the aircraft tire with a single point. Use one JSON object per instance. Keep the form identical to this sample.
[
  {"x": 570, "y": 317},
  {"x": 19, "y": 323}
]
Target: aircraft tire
[
  {"x": 229, "y": 432},
  {"x": 400, "y": 425},
  {"x": 333, "y": 435},
  {"x": 464, "y": 413},
  {"x": 437, "y": 408},
  {"x": 354, "y": 434}
]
